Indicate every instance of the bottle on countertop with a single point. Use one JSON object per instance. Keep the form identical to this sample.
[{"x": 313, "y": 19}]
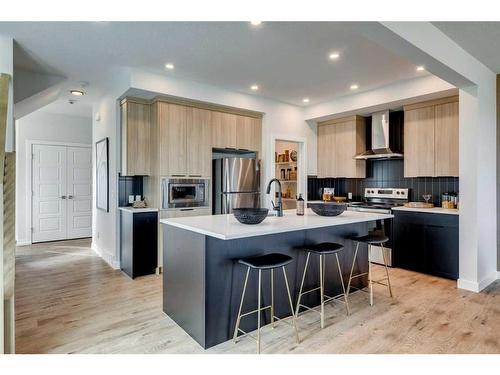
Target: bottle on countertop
[{"x": 300, "y": 205}]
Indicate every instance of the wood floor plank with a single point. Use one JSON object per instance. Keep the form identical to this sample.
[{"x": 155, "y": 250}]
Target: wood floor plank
[{"x": 68, "y": 300}]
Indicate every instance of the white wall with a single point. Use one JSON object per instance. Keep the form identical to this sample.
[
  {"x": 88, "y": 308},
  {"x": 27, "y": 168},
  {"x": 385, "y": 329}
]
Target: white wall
[{"x": 42, "y": 126}]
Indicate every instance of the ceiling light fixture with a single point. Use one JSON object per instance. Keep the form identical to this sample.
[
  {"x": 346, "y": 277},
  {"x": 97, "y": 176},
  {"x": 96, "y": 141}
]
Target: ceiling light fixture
[
  {"x": 354, "y": 87},
  {"x": 420, "y": 68},
  {"x": 169, "y": 66},
  {"x": 334, "y": 55},
  {"x": 255, "y": 23},
  {"x": 77, "y": 92},
  {"x": 305, "y": 100},
  {"x": 254, "y": 87}
]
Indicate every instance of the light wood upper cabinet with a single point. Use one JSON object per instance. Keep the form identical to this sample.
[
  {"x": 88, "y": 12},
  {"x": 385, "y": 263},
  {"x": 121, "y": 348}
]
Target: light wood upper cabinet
[
  {"x": 135, "y": 121},
  {"x": 248, "y": 133},
  {"x": 446, "y": 139},
  {"x": 172, "y": 121},
  {"x": 338, "y": 142},
  {"x": 431, "y": 138},
  {"x": 223, "y": 130},
  {"x": 199, "y": 145},
  {"x": 419, "y": 142}
]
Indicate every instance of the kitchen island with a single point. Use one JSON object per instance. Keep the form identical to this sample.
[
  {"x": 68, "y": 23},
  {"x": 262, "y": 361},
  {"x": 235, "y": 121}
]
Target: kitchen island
[{"x": 202, "y": 282}]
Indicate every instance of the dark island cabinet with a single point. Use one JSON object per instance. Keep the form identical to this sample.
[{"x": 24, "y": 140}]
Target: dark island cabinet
[
  {"x": 139, "y": 246},
  {"x": 426, "y": 242}
]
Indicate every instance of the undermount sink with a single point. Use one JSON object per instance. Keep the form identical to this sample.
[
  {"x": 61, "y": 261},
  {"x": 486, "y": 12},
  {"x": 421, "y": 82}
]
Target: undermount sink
[{"x": 250, "y": 215}]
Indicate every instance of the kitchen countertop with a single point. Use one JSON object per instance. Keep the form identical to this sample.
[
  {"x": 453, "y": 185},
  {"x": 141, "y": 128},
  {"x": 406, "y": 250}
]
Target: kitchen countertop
[
  {"x": 433, "y": 210},
  {"x": 138, "y": 210},
  {"x": 226, "y": 227}
]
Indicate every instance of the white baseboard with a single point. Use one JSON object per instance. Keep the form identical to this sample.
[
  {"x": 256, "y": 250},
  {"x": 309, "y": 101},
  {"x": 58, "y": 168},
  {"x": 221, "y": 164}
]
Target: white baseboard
[
  {"x": 23, "y": 243},
  {"x": 113, "y": 263},
  {"x": 475, "y": 286}
]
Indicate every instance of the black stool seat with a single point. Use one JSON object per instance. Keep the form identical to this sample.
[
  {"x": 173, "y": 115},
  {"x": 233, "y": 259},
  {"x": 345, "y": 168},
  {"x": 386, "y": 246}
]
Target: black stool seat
[
  {"x": 324, "y": 248},
  {"x": 372, "y": 239},
  {"x": 268, "y": 261}
]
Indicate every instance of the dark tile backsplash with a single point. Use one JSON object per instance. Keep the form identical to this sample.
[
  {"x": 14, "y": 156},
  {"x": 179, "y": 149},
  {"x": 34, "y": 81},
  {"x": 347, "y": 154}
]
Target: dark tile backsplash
[
  {"x": 385, "y": 173},
  {"x": 128, "y": 185}
]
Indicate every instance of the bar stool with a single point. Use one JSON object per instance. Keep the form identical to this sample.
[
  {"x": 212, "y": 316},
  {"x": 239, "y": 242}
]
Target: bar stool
[
  {"x": 370, "y": 240},
  {"x": 261, "y": 263},
  {"x": 322, "y": 249}
]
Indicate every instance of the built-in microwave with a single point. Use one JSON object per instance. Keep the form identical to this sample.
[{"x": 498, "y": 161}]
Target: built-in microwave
[{"x": 184, "y": 192}]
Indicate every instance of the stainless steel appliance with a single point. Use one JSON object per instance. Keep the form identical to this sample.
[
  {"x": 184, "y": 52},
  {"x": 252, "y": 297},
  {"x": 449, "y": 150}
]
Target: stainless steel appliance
[
  {"x": 236, "y": 184},
  {"x": 381, "y": 200},
  {"x": 184, "y": 192}
]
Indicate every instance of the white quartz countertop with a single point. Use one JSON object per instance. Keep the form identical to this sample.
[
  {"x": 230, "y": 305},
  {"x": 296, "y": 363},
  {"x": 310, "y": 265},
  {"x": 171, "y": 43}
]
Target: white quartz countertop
[
  {"x": 138, "y": 210},
  {"x": 226, "y": 227},
  {"x": 433, "y": 210}
]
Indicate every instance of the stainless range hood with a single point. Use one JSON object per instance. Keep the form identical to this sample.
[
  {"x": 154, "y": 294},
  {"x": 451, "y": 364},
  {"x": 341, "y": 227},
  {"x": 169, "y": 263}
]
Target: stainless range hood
[{"x": 380, "y": 139}]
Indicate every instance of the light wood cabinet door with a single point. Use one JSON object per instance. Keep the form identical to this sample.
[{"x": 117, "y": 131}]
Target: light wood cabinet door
[
  {"x": 419, "y": 145},
  {"x": 326, "y": 155},
  {"x": 349, "y": 141},
  {"x": 172, "y": 120},
  {"x": 248, "y": 133},
  {"x": 446, "y": 139},
  {"x": 223, "y": 130},
  {"x": 136, "y": 137},
  {"x": 199, "y": 145}
]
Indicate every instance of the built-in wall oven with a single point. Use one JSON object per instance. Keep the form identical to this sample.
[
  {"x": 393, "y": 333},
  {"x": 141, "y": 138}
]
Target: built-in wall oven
[{"x": 184, "y": 192}]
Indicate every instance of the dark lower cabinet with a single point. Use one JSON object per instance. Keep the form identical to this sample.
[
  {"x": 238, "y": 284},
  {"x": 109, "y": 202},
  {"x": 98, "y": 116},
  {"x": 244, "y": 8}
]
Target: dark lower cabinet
[
  {"x": 139, "y": 243},
  {"x": 426, "y": 242}
]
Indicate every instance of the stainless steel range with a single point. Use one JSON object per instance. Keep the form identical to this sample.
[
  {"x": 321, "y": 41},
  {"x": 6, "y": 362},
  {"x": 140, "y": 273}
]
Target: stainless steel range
[{"x": 381, "y": 200}]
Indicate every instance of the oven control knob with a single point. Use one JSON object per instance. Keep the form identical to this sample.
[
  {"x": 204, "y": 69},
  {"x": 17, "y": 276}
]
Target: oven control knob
[{"x": 397, "y": 192}]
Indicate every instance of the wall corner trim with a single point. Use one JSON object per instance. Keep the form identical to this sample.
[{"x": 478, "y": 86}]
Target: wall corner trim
[{"x": 109, "y": 259}]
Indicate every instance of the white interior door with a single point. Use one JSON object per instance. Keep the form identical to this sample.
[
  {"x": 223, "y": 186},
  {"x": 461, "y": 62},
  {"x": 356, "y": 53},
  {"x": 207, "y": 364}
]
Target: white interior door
[
  {"x": 79, "y": 182},
  {"x": 49, "y": 206},
  {"x": 62, "y": 192}
]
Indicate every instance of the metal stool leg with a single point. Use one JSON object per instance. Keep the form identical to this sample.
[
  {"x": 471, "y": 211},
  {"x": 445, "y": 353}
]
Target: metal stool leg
[
  {"x": 235, "y": 336},
  {"x": 322, "y": 291},
  {"x": 386, "y": 269},
  {"x": 342, "y": 282},
  {"x": 302, "y": 285},
  {"x": 258, "y": 312},
  {"x": 294, "y": 323},
  {"x": 272, "y": 298},
  {"x": 352, "y": 269},
  {"x": 370, "y": 276}
]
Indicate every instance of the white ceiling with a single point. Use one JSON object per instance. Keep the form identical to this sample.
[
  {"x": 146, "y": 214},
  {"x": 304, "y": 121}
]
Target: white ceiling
[
  {"x": 288, "y": 60},
  {"x": 480, "y": 39}
]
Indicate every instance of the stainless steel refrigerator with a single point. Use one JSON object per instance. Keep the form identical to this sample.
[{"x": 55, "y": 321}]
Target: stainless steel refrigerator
[{"x": 236, "y": 184}]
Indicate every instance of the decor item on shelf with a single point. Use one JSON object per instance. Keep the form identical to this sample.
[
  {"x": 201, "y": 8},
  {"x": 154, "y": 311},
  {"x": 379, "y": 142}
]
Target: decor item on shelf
[
  {"x": 250, "y": 215},
  {"x": 288, "y": 192},
  {"x": 293, "y": 155},
  {"x": 281, "y": 158},
  {"x": 288, "y": 172},
  {"x": 283, "y": 175},
  {"x": 328, "y": 209},
  {"x": 276, "y": 157},
  {"x": 300, "y": 205},
  {"x": 293, "y": 174},
  {"x": 139, "y": 204},
  {"x": 102, "y": 174},
  {"x": 287, "y": 156}
]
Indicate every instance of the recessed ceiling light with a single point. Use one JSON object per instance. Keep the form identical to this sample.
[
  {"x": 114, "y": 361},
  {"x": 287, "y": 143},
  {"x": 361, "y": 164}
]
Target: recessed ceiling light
[
  {"x": 354, "y": 87},
  {"x": 254, "y": 87},
  {"x": 77, "y": 92},
  {"x": 334, "y": 55},
  {"x": 305, "y": 100},
  {"x": 255, "y": 23},
  {"x": 420, "y": 68},
  {"x": 169, "y": 66}
]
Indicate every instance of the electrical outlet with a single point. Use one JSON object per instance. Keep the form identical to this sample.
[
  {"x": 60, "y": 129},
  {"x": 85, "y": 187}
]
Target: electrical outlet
[
  {"x": 130, "y": 199},
  {"x": 349, "y": 195},
  {"x": 138, "y": 197}
]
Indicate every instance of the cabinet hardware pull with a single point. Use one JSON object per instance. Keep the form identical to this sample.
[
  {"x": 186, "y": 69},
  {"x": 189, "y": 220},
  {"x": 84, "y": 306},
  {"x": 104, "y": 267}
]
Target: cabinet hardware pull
[
  {"x": 178, "y": 175},
  {"x": 63, "y": 197},
  {"x": 187, "y": 209},
  {"x": 195, "y": 175}
]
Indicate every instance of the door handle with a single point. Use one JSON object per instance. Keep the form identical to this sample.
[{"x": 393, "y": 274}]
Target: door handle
[
  {"x": 70, "y": 197},
  {"x": 63, "y": 197}
]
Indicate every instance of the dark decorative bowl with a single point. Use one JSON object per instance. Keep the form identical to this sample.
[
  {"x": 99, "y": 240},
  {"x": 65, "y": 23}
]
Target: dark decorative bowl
[
  {"x": 328, "y": 208},
  {"x": 250, "y": 215}
]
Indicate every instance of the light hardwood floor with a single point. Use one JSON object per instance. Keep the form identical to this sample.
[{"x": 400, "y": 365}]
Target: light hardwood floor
[{"x": 68, "y": 300}]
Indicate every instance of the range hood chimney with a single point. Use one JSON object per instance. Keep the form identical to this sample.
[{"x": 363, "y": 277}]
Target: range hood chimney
[{"x": 380, "y": 139}]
